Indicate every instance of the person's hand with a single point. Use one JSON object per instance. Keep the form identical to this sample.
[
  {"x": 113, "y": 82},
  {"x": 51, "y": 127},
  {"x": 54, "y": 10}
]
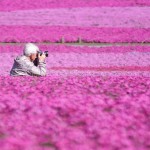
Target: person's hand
[{"x": 41, "y": 57}]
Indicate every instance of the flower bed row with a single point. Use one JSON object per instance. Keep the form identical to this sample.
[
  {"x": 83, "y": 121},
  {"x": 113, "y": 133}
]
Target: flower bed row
[
  {"x": 63, "y": 60},
  {"x": 73, "y": 34},
  {"x": 74, "y": 113},
  {"x": 6, "y": 5}
]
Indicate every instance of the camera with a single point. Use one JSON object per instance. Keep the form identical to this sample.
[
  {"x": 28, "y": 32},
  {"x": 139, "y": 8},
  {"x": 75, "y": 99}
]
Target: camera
[
  {"x": 36, "y": 61},
  {"x": 46, "y": 53}
]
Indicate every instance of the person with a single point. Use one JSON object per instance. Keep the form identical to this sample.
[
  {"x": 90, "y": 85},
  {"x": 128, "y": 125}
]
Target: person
[{"x": 24, "y": 64}]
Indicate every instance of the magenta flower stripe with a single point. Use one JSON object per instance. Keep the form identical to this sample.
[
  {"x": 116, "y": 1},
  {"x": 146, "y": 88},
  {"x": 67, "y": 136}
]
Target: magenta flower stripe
[
  {"x": 74, "y": 113},
  {"x": 32, "y": 4},
  {"x": 72, "y": 34}
]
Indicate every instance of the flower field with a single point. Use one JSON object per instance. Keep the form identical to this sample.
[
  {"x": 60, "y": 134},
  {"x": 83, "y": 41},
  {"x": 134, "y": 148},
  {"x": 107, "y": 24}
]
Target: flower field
[
  {"x": 85, "y": 60},
  {"x": 74, "y": 113},
  {"x": 72, "y": 34},
  {"x": 7, "y": 5},
  {"x": 96, "y": 24},
  {"x": 95, "y": 96}
]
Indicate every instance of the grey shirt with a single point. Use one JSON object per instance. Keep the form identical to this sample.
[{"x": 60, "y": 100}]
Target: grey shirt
[{"x": 24, "y": 67}]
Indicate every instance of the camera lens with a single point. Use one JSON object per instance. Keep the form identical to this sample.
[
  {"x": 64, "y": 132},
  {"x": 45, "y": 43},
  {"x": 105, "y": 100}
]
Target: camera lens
[{"x": 46, "y": 53}]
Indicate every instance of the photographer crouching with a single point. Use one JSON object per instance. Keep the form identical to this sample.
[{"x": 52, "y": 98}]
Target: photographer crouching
[{"x": 31, "y": 63}]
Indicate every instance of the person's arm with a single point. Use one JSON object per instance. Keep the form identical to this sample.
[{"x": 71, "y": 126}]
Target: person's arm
[{"x": 39, "y": 70}]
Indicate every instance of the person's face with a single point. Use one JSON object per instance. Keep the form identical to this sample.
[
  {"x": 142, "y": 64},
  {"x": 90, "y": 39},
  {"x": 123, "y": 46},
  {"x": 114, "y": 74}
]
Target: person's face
[{"x": 33, "y": 56}]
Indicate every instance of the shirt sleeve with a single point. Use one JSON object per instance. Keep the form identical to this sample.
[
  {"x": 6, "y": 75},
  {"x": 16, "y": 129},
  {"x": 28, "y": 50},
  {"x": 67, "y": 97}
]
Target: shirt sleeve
[{"x": 39, "y": 70}]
